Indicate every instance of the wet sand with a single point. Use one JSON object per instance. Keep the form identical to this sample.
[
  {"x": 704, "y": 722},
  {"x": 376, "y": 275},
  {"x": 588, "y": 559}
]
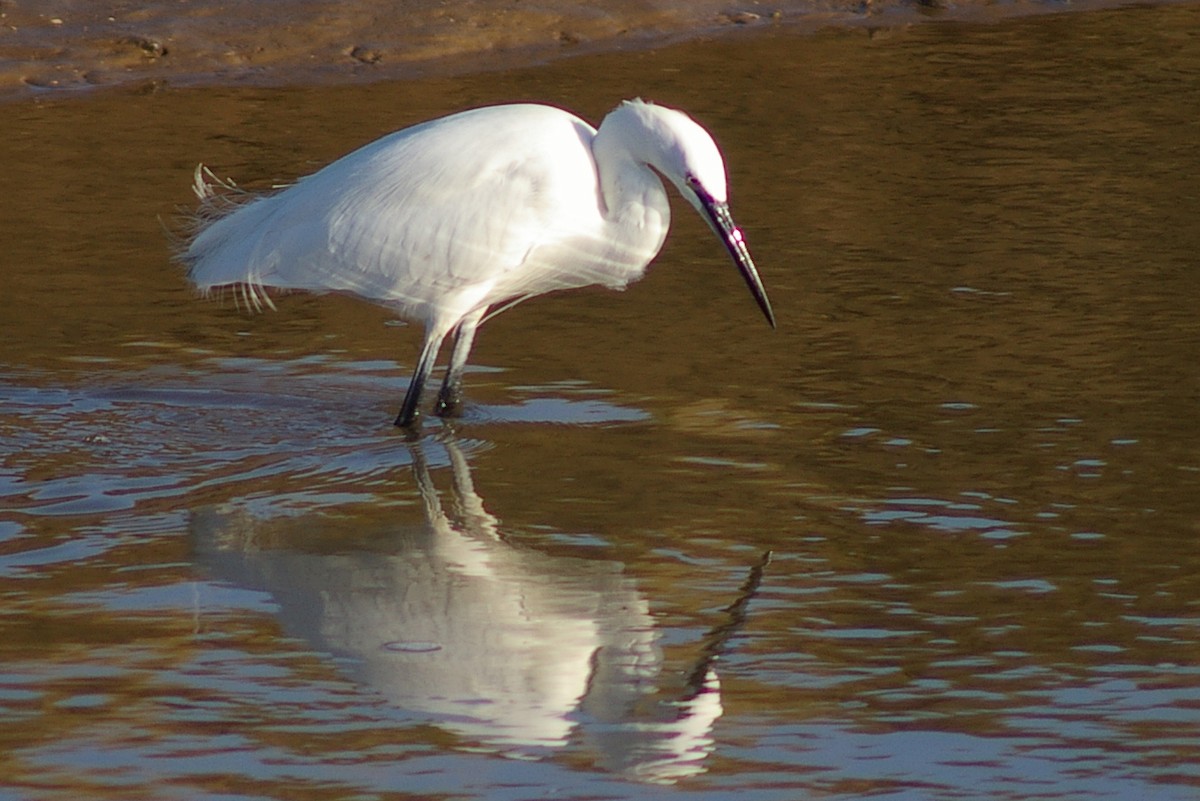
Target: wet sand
[{"x": 67, "y": 46}]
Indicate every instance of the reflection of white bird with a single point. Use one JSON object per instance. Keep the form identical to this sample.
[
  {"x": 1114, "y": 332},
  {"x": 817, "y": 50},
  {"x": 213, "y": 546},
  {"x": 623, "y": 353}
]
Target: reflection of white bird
[
  {"x": 507, "y": 647},
  {"x": 472, "y": 213}
]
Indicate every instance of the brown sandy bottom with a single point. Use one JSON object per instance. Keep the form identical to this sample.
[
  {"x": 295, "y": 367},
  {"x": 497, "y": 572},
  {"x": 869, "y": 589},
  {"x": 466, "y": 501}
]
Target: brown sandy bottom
[{"x": 57, "y": 46}]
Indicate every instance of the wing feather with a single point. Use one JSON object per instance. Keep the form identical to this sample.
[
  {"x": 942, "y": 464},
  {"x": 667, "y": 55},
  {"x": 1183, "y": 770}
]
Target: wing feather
[{"x": 427, "y": 220}]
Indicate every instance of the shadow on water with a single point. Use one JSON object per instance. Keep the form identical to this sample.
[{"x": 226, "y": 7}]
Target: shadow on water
[{"x": 506, "y": 647}]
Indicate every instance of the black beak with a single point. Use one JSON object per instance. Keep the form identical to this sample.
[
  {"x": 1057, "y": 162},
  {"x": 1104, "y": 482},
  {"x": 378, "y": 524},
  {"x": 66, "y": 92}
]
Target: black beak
[{"x": 722, "y": 223}]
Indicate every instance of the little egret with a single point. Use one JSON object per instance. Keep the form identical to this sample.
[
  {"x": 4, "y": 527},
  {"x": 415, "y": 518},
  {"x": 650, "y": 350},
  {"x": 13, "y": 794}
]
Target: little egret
[{"x": 459, "y": 218}]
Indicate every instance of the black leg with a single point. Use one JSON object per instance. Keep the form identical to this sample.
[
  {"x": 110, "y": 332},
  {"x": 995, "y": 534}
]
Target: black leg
[
  {"x": 409, "y": 412},
  {"x": 450, "y": 398}
]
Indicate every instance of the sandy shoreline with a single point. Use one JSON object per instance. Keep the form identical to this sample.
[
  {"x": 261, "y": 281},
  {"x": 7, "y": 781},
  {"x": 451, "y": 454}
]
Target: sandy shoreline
[{"x": 62, "y": 47}]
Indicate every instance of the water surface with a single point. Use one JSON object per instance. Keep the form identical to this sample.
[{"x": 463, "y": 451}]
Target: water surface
[{"x": 971, "y": 449}]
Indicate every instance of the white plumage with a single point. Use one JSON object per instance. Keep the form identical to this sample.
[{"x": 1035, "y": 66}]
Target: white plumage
[{"x": 449, "y": 219}]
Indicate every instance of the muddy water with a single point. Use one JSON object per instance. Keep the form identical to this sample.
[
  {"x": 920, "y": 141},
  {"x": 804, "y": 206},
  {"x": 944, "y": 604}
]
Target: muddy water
[
  {"x": 971, "y": 449},
  {"x": 69, "y": 46}
]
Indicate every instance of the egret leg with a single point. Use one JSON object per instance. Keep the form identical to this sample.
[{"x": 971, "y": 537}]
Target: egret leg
[
  {"x": 412, "y": 399},
  {"x": 450, "y": 398}
]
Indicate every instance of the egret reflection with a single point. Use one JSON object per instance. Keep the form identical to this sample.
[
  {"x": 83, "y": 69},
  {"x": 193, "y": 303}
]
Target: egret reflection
[{"x": 506, "y": 647}]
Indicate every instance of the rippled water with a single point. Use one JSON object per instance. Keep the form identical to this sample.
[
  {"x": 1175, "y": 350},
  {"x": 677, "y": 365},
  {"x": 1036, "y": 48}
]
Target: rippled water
[{"x": 971, "y": 450}]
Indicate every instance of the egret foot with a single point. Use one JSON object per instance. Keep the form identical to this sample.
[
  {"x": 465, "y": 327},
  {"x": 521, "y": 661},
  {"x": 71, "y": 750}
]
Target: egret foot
[{"x": 449, "y": 402}]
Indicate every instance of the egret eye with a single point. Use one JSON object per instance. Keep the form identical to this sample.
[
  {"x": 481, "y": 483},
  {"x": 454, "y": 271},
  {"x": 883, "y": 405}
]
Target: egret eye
[{"x": 693, "y": 183}]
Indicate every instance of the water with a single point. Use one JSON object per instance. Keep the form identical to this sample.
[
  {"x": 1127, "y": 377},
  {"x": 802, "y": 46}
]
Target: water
[
  {"x": 971, "y": 449},
  {"x": 52, "y": 47}
]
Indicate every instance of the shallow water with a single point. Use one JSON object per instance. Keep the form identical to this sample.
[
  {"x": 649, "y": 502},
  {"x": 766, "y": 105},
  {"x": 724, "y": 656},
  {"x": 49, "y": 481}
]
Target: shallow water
[{"x": 971, "y": 449}]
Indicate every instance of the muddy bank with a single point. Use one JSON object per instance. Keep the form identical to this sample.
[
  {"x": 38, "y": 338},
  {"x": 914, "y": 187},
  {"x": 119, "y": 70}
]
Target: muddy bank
[{"x": 63, "y": 46}]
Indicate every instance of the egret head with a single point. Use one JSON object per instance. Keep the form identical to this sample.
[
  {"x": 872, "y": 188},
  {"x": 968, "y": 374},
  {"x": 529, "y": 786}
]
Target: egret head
[
  {"x": 676, "y": 146},
  {"x": 683, "y": 152}
]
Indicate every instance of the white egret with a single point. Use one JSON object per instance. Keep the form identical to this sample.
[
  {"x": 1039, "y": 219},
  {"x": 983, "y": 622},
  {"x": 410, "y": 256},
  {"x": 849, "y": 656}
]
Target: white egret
[{"x": 462, "y": 217}]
